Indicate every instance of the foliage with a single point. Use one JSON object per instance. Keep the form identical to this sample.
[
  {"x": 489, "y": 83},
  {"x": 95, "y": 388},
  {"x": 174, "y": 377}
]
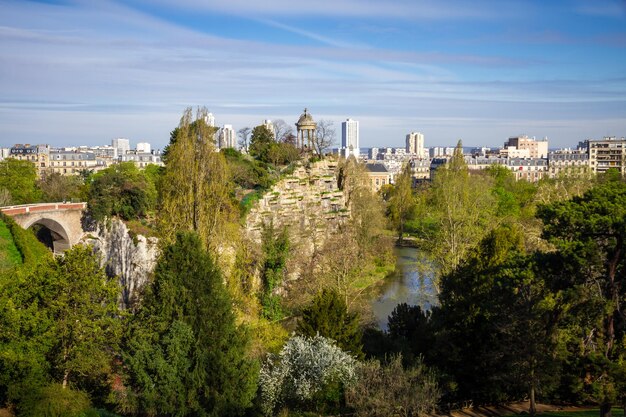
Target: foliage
[
  {"x": 121, "y": 190},
  {"x": 247, "y": 172},
  {"x": 392, "y": 390},
  {"x": 328, "y": 316},
  {"x": 56, "y": 401},
  {"x": 266, "y": 149},
  {"x": 411, "y": 330},
  {"x": 19, "y": 178},
  {"x": 196, "y": 188},
  {"x": 185, "y": 354},
  {"x": 589, "y": 233},
  {"x": 86, "y": 317},
  {"x": 31, "y": 250},
  {"x": 275, "y": 246},
  {"x": 56, "y": 187},
  {"x": 60, "y": 324},
  {"x": 401, "y": 203},
  {"x": 458, "y": 211},
  {"x": 9, "y": 254},
  {"x": 260, "y": 142},
  {"x": 498, "y": 314},
  {"x": 305, "y": 370}
]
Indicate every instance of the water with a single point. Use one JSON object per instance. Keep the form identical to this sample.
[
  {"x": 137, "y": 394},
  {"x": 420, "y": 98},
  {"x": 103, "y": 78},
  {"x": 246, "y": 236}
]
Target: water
[{"x": 412, "y": 283}]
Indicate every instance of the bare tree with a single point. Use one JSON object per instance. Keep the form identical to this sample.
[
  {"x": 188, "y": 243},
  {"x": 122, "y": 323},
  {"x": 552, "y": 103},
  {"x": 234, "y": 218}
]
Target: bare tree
[
  {"x": 244, "y": 137},
  {"x": 324, "y": 136},
  {"x": 281, "y": 130}
]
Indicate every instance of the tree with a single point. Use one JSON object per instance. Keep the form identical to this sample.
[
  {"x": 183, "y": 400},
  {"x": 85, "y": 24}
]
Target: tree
[
  {"x": 56, "y": 187},
  {"x": 402, "y": 203},
  {"x": 61, "y": 324},
  {"x": 590, "y": 234},
  {"x": 196, "y": 188},
  {"x": 459, "y": 212},
  {"x": 19, "y": 178},
  {"x": 244, "y": 138},
  {"x": 260, "y": 142},
  {"x": 324, "y": 136},
  {"x": 498, "y": 322},
  {"x": 185, "y": 353},
  {"x": 328, "y": 316},
  {"x": 275, "y": 246},
  {"x": 391, "y": 390},
  {"x": 86, "y": 317},
  {"x": 281, "y": 130},
  {"x": 121, "y": 190},
  {"x": 305, "y": 370}
]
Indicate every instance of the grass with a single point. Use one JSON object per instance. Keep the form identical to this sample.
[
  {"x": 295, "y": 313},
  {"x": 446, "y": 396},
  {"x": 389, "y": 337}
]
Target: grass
[{"x": 9, "y": 254}]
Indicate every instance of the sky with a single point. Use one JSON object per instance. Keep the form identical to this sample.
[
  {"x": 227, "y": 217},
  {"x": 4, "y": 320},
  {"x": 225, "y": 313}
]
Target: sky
[{"x": 82, "y": 72}]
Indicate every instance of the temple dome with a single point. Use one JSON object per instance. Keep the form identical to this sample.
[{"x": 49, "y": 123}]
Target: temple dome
[{"x": 305, "y": 120}]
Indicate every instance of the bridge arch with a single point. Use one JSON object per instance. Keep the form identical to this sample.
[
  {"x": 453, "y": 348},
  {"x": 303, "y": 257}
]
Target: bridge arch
[
  {"x": 52, "y": 233},
  {"x": 60, "y": 224}
]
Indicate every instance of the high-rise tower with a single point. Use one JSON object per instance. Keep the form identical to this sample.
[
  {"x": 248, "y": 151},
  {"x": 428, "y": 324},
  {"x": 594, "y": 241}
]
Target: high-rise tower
[{"x": 350, "y": 138}]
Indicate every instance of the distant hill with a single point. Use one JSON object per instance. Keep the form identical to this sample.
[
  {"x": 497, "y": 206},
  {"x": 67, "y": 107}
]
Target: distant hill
[{"x": 18, "y": 246}]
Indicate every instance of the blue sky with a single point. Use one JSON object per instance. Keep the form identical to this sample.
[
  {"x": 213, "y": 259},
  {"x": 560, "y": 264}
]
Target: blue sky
[{"x": 86, "y": 71}]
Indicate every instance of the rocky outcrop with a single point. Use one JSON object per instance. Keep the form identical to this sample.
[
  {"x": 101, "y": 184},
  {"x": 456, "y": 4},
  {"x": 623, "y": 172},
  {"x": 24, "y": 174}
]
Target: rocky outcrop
[
  {"x": 308, "y": 202},
  {"x": 131, "y": 258}
]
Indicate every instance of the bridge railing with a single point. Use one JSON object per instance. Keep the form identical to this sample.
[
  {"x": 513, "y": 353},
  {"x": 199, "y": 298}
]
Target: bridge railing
[{"x": 34, "y": 208}]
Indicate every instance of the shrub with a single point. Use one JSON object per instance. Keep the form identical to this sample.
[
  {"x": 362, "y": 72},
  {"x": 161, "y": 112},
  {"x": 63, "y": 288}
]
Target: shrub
[{"x": 305, "y": 370}]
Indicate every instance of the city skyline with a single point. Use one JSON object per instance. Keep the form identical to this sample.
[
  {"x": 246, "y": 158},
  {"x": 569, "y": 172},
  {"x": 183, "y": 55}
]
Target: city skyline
[{"x": 82, "y": 72}]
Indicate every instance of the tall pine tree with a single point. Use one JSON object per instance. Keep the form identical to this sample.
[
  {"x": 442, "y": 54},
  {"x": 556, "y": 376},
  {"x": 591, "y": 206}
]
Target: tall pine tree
[{"x": 185, "y": 354}]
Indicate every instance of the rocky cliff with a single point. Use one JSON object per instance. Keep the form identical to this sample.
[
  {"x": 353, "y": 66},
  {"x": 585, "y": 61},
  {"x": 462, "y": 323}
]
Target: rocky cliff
[
  {"x": 308, "y": 202},
  {"x": 129, "y": 257}
]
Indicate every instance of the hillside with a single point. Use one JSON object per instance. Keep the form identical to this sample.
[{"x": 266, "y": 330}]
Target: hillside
[{"x": 18, "y": 246}]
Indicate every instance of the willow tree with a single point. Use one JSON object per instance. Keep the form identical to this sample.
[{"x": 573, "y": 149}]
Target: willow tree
[{"x": 196, "y": 192}]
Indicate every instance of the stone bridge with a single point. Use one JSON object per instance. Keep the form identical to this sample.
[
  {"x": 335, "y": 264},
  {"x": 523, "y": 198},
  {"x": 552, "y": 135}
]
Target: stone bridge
[{"x": 58, "y": 225}]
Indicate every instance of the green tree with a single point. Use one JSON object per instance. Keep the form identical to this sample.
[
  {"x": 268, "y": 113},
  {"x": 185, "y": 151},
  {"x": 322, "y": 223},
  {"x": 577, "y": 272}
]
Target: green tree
[
  {"x": 19, "y": 178},
  {"x": 275, "y": 246},
  {"x": 458, "y": 213},
  {"x": 328, "y": 316},
  {"x": 498, "y": 322},
  {"x": 86, "y": 317},
  {"x": 121, "y": 190},
  {"x": 196, "y": 188},
  {"x": 590, "y": 234},
  {"x": 56, "y": 187},
  {"x": 60, "y": 324},
  {"x": 402, "y": 204},
  {"x": 185, "y": 354},
  {"x": 261, "y": 143}
]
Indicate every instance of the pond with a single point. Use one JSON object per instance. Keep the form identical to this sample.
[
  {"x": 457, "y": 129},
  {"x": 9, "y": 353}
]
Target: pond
[{"x": 412, "y": 283}]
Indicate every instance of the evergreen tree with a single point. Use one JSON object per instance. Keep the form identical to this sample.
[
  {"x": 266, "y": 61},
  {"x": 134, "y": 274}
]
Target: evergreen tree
[
  {"x": 590, "y": 234},
  {"x": 261, "y": 143},
  {"x": 185, "y": 354},
  {"x": 328, "y": 316}
]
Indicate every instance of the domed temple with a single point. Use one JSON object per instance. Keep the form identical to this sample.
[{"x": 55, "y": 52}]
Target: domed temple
[{"x": 306, "y": 130}]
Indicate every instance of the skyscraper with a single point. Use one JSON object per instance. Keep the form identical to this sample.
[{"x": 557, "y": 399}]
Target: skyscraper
[
  {"x": 415, "y": 144},
  {"x": 227, "y": 137},
  {"x": 350, "y": 138}
]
